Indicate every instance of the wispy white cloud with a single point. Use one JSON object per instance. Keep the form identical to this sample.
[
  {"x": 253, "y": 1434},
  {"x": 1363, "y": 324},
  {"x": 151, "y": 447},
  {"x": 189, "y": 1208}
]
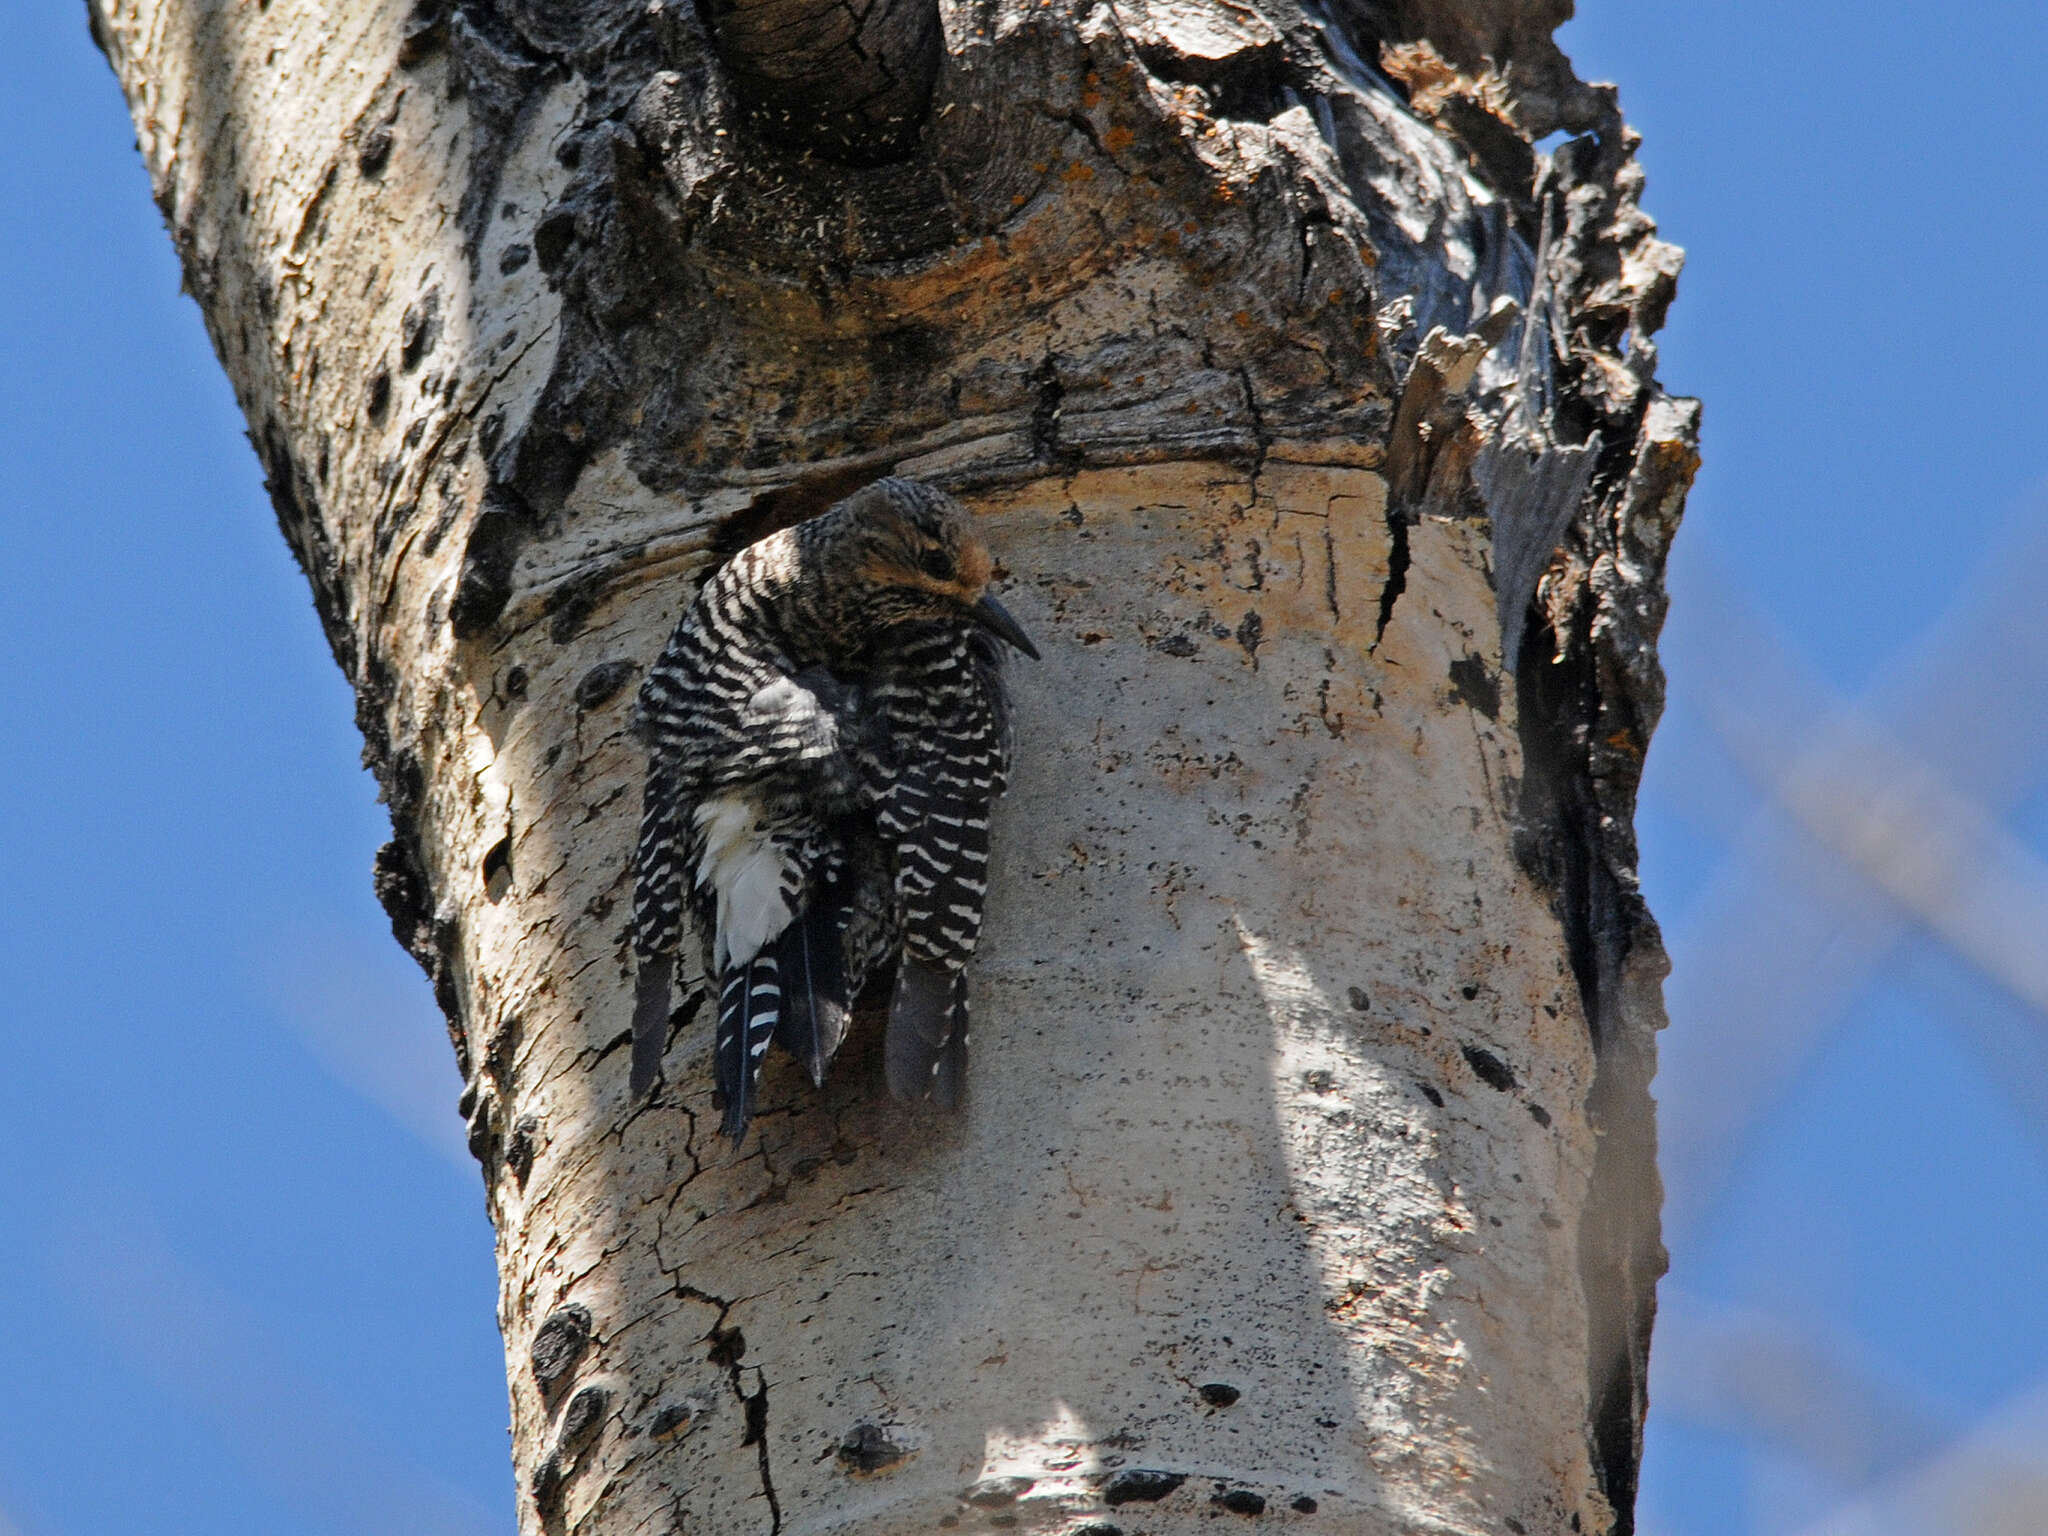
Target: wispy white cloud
[{"x": 1991, "y": 1482}]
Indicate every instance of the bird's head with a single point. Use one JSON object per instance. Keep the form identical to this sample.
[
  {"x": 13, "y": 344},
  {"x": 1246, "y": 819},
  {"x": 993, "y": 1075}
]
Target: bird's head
[{"x": 918, "y": 554}]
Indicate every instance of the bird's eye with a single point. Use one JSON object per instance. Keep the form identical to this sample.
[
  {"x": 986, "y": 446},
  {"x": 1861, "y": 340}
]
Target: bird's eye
[{"x": 935, "y": 562}]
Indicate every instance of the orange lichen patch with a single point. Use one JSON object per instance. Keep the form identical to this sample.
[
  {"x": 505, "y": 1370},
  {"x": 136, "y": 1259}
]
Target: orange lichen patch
[
  {"x": 1432, "y": 80},
  {"x": 1428, "y": 75},
  {"x": 1118, "y": 139},
  {"x": 1077, "y": 172},
  {"x": 1679, "y": 455}
]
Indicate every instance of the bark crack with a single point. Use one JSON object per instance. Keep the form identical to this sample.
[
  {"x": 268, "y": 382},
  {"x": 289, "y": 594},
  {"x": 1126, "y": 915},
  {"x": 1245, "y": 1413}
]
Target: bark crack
[
  {"x": 728, "y": 1350},
  {"x": 1397, "y": 573},
  {"x": 757, "y": 1434}
]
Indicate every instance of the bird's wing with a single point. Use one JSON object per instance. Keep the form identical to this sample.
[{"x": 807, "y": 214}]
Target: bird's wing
[
  {"x": 659, "y": 882},
  {"x": 949, "y": 759},
  {"x": 947, "y": 724}
]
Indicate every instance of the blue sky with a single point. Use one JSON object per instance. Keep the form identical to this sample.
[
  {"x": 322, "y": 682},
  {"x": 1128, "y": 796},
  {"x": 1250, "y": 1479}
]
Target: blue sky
[{"x": 250, "y": 1286}]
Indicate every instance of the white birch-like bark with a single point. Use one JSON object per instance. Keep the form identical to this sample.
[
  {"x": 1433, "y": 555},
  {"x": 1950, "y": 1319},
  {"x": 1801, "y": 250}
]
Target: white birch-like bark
[{"x": 1307, "y": 1175}]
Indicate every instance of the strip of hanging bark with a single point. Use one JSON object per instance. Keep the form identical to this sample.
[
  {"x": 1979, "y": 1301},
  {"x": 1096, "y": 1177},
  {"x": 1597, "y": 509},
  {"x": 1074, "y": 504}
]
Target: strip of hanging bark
[{"x": 852, "y": 85}]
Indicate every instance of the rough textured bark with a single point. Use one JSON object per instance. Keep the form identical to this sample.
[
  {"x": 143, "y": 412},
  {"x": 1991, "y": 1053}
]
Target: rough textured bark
[{"x": 1309, "y": 1164}]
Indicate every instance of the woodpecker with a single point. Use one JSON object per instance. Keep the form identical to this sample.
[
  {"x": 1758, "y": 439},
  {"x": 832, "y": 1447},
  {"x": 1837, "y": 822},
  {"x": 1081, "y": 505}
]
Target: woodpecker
[{"x": 826, "y": 733}]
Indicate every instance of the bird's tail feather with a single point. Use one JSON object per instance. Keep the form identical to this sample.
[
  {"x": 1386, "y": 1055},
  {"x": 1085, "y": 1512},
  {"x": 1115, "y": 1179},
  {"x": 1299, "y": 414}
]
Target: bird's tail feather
[
  {"x": 949, "y": 1082},
  {"x": 650, "y": 1020},
  {"x": 815, "y": 1000},
  {"x": 749, "y": 1005},
  {"x": 925, "y": 1048}
]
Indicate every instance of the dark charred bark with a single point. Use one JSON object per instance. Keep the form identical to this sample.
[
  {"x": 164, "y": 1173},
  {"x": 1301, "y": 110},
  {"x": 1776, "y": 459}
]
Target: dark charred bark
[{"x": 851, "y": 82}]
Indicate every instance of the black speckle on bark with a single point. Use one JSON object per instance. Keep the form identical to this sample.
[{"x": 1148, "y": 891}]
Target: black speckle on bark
[
  {"x": 377, "y": 398},
  {"x": 1137, "y": 1485},
  {"x": 520, "y": 1147},
  {"x": 482, "y": 1115},
  {"x": 1489, "y": 1068},
  {"x": 1357, "y": 998},
  {"x": 558, "y": 1346},
  {"x": 485, "y": 585},
  {"x": 1539, "y": 1114},
  {"x": 1250, "y": 631},
  {"x": 374, "y": 153},
  {"x": 583, "y": 1418},
  {"x": 601, "y": 682},
  {"x": 404, "y": 892},
  {"x": 552, "y": 237},
  {"x": 419, "y": 328},
  {"x": 514, "y": 256},
  {"x": 497, "y": 869},
  {"x": 1431, "y": 1094},
  {"x": 1176, "y": 645},
  {"x": 672, "y": 1420},
  {"x": 1218, "y": 1394},
  {"x": 1241, "y": 1501},
  {"x": 548, "y": 1486},
  {"x": 1474, "y": 686},
  {"x": 867, "y": 1448},
  {"x": 1304, "y": 1505}
]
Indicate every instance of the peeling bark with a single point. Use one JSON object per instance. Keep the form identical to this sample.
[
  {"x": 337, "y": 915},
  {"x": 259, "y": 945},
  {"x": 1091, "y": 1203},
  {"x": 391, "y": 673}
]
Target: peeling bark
[{"x": 1311, "y": 411}]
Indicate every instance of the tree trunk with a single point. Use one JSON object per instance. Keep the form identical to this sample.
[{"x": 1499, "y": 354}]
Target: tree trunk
[{"x": 1308, "y": 1164}]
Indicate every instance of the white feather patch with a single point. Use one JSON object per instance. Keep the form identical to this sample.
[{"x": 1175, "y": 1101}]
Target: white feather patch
[
  {"x": 782, "y": 699},
  {"x": 745, "y": 870}
]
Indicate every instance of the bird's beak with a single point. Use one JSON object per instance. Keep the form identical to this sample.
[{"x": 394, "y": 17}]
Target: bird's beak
[{"x": 995, "y": 618}]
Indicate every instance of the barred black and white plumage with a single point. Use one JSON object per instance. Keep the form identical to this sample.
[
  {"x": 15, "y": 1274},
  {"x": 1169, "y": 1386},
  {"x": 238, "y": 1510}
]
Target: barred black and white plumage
[
  {"x": 940, "y": 703},
  {"x": 826, "y": 733}
]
